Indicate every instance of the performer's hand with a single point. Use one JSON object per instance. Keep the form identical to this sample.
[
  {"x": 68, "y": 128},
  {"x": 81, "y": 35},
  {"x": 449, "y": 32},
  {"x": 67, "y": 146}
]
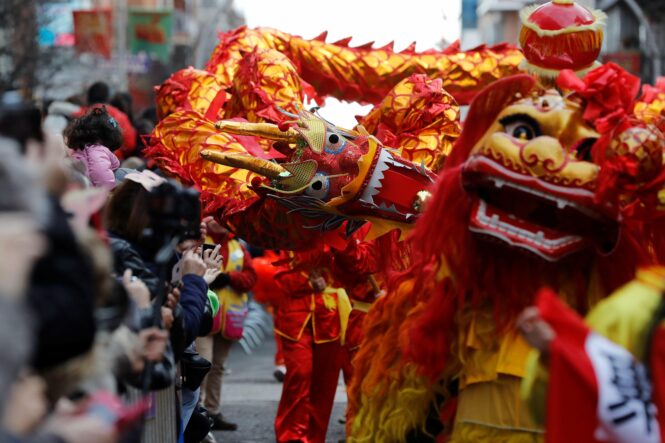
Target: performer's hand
[
  {"x": 535, "y": 330},
  {"x": 318, "y": 283},
  {"x": 214, "y": 227}
]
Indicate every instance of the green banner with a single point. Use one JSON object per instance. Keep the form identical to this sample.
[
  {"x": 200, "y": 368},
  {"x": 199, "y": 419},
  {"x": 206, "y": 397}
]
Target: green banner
[{"x": 150, "y": 31}]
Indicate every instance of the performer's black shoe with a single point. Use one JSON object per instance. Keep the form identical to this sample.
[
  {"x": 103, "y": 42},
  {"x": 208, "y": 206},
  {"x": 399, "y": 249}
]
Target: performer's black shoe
[
  {"x": 280, "y": 373},
  {"x": 219, "y": 424}
]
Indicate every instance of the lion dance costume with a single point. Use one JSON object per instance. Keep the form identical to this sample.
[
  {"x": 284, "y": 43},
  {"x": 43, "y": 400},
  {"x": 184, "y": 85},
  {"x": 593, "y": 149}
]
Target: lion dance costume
[{"x": 555, "y": 179}]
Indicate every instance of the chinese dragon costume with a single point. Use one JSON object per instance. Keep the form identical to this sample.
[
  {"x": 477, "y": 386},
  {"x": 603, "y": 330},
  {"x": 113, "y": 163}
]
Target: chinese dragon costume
[{"x": 555, "y": 178}]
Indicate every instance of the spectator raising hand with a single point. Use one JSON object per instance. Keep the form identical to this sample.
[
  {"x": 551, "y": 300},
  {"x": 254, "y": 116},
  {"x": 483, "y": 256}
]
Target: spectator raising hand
[
  {"x": 192, "y": 263},
  {"x": 213, "y": 260}
]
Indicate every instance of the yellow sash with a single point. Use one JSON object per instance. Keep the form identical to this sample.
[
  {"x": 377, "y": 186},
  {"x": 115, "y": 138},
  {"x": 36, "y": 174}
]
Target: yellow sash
[{"x": 344, "y": 309}]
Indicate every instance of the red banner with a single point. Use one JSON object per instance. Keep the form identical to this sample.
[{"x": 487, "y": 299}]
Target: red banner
[{"x": 93, "y": 31}]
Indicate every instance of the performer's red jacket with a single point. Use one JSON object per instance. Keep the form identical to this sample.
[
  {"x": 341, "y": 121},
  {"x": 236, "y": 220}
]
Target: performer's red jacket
[
  {"x": 352, "y": 269},
  {"x": 300, "y": 304}
]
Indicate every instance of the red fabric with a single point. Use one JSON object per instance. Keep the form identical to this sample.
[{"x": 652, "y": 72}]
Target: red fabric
[
  {"x": 657, "y": 366},
  {"x": 299, "y": 305},
  {"x": 354, "y": 338},
  {"x": 279, "y": 352},
  {"x": 572, "y": 389},
  {"x": 128, "y": 131},
  {"x": 609, "y": 92},
  {"x": 352, "y": 267},
  {"x": 264, "y": 289},
  {"x": 308, "y": 393}
]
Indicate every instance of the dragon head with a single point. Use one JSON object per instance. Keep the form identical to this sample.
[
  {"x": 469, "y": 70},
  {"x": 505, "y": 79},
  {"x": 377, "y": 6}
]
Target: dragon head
[{"x": 330, "y": 174}]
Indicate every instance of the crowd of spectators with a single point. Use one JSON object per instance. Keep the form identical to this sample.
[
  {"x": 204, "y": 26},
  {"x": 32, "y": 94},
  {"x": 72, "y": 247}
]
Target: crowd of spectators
[{"x": 103, "y": 289}]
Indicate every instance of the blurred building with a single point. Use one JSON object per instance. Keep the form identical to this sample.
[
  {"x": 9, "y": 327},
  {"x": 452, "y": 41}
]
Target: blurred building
[
  {"x": 143, "y": 43},
  {"x": 634, "y": 35}
]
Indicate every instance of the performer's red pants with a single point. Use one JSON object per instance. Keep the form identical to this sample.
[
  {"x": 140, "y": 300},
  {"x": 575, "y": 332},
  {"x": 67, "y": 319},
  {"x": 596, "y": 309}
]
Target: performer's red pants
[
  {"x": 312, "y": 371},
  {"x": 279, "y": 355}
]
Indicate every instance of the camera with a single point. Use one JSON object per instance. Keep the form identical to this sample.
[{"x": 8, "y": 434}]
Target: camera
[{"x": 174, "y": 211}]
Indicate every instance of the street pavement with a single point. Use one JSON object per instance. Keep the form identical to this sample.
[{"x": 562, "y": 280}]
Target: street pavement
[{"x": 250, "y": 395}]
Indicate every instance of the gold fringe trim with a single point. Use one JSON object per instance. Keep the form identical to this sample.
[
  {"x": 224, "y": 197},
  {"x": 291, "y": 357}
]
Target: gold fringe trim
[{"x": 404, "y": 407}]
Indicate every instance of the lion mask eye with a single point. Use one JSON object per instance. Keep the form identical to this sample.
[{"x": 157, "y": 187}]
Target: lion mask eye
[{"x": 521, "y": 126}]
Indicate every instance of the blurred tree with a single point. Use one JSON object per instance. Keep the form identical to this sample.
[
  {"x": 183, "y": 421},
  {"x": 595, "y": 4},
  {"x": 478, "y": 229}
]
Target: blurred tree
[{"x": 21, "y": 57}]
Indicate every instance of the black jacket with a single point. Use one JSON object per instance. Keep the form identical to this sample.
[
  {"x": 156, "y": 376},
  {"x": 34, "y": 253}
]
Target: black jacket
[{"x": 126, "y": 255}]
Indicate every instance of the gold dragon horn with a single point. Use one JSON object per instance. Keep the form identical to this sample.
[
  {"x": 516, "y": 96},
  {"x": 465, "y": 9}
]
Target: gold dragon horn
[
  {"x": 263, "y": 130},
  {"x": 258, "y": 165}
]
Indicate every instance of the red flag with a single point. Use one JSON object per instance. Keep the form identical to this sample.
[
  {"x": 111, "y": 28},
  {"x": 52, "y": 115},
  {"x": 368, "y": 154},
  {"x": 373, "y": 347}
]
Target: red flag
[{"x": 597, "y": 391}]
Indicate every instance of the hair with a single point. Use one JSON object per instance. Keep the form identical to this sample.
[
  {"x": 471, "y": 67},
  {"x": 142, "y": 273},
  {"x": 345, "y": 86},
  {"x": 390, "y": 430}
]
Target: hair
[
  {"x": 97, "y": 126},
  {"x": 98, "y": 92},
  {"x": 126, "y": 213},
  {"x": 123, "y": 101}
]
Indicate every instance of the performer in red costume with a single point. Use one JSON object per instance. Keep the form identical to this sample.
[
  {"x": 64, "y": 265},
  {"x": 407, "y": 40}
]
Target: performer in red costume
[
  {"x": 309, "y": 321},
  {"x": 353, "y": 269}
]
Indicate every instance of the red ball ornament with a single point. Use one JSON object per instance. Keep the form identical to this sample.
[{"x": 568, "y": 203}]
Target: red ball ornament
[{"x": 560, "y": 35}]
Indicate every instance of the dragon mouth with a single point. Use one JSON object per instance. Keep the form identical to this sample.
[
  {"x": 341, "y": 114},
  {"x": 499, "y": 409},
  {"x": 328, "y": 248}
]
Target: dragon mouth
[
  {"x": 392, "y": 188},
  {"x": 548, "y": 220}
]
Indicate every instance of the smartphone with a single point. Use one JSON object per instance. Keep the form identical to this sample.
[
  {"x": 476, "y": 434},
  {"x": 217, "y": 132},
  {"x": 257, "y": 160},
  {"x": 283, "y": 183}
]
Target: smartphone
[{"x": 207, "y": 247}]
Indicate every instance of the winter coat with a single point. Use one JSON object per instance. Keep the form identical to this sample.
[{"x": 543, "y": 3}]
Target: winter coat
[
  {"x": 61, "y": 296},
  {"x": 99, "y": 164}
]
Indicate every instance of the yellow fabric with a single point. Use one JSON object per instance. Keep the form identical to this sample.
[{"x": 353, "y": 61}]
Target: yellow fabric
[
  {"x": 484, "y": 359},
  {"x": 227, "y": 296},
  {"x": 623, "y": 317},
  {"x": 496, "y": 405},
  {"x": 344, "y": 307},
  {"x": 361, "y": 306},
  {"x": 472, "y": 433}
]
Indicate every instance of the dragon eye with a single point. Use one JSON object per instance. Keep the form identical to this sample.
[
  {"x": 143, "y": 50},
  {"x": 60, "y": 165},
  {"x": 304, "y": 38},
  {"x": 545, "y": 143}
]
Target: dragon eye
[
  {"x": 335, "y": 143},
  {"x": 318, "y": 187},
  {"x": 521, "y": 126}
]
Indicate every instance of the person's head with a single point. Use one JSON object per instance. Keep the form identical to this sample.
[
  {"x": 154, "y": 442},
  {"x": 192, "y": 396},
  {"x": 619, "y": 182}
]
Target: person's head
[
  {"x": 123, "y": 101},
  {"x": 20, "y": 120},
  {"x": 97, "y": 126},
  {"x": 127, "y": 211},
  {"x": 98, "y": 92}
]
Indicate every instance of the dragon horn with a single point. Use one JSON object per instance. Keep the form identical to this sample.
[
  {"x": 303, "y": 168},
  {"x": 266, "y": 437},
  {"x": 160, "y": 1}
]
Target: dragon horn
[
  {"x": 263, "y": 130},
  {"x": 258, "y": 165}
]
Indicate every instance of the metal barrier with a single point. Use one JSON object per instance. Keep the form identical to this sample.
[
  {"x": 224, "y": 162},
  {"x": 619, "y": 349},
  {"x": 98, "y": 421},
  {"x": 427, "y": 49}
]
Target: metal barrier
[
  {"x": 256, "y": 327},
  {"x": 160, "y": 423}
]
